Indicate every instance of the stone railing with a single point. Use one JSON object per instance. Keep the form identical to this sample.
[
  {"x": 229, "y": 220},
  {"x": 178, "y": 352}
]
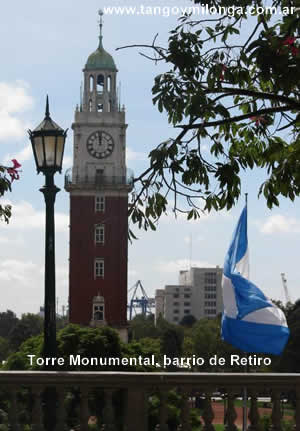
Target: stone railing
[{"x": 121, "y": 399}]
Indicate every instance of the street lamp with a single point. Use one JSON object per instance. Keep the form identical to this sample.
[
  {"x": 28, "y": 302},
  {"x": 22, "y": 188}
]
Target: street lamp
[{"x": 48, "y": 142}]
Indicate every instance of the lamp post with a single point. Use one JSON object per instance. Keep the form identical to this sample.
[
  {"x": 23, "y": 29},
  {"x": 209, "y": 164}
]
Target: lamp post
[{"x": 48, "y": 142}]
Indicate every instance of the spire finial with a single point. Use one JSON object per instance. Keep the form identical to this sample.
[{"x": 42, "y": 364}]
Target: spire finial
[
  {"x": 100, "y": 13},
  {"x": 47, "y": 113}
]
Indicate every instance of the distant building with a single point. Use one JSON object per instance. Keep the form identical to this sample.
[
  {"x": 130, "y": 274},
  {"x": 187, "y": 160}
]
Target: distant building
[{"x": 199, "y": 293}]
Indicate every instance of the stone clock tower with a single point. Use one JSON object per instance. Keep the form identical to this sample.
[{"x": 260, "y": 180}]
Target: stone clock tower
[{"x": 99, "y": 187}]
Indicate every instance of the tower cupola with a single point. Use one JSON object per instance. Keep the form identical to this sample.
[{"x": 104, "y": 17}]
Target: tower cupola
[{"x": 100, "y": 74}]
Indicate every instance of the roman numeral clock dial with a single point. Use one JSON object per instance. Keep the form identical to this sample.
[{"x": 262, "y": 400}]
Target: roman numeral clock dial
[{"x": 100, "y": 144}]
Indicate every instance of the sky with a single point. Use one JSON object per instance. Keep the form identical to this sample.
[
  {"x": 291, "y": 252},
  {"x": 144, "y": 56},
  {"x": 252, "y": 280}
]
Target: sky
[{"x": 44, "y": 46}]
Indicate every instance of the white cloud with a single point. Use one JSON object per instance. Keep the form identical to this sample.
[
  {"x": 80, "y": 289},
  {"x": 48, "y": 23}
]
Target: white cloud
[
  {"x": 174, "y": 266},
  {"x": 14, "y": 99},
  {"x": 132, "y": 155},
  {"x": 22, "y": 156},
  {"x": 280, "y": 224},
  {"x": 16, "y": 241},
  {"x": 20, "y": 272},
  {"x": 181, "y": 217},
  {"x": 25, "y": 216},
  {"x": 132, "y": 273},
  {"x": 23, "y": 284},
  {"x": 67, "y": 162},
  {"x": 191, "y": 239}
]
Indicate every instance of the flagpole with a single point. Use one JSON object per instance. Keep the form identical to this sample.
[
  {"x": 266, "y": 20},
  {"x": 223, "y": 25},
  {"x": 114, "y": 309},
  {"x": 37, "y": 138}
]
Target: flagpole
[{"x": 246, "y": 368}]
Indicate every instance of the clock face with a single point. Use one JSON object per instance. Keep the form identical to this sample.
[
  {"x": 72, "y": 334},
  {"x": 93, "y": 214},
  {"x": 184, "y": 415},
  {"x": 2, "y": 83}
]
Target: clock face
[{"x": 100, "y": 144}]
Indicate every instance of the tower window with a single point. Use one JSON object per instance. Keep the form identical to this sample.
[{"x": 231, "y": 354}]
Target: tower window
[
  {"x": 100, "y": 203},
  {"x": 99, "y": 176},
  {"x": 99, "y": 234},
  {"x": 98, "y": 309},
  {"x": 100, "y": 84},
  {"x": 100, "y": 107},
  {"x": 91, "y": 83},
  {"x": 98, "y": 313},
  {"x": 90, "y": 106},
  {"x": 109, "y": 83},
  {"x": 99, "y": 268}
]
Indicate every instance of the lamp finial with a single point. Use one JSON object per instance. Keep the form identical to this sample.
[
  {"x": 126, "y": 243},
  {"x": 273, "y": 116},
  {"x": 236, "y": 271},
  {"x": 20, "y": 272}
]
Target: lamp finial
[{"x": 47, "y": 113}]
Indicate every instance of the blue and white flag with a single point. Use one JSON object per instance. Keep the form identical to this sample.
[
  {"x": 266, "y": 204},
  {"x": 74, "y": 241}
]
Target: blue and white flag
[{"x": 250, "y": 320}]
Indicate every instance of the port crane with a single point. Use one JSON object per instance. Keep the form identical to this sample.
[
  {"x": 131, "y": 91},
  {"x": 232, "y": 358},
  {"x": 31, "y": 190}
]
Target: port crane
[{"x": 140, "y": 305}]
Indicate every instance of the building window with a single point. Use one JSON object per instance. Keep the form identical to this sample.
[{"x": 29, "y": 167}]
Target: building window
[
  {"x": 210, "y": 303},
  {"x": 176, "y": 319},
  {"x": 99, "y": 268},
  {"x": 210, "y": 296},
  {"x": 175, "y": 304},
  {"x": 186, "y": 295},
  {"x": 176, "y": 311},
  {"x": 187, "y": 289},
  {"x": 210, "y": 288},
  {"x": 100, "y": 84},
  {"x": 99, "y": 234},
  {"x": 99, "y": 203},
  {"x": 187, "y": 304},
  {"x": 99, "y": 176},
  {"x": 211, "y": 312},
  {"x": 91, "y": 83},
  {"x": 210, "y": 278},
  {"x": 176, "y": 295},
  {"x": 109, "y": 83},
  {"x": 187, "y": 311},
  {"x": 98, "y": 312}
]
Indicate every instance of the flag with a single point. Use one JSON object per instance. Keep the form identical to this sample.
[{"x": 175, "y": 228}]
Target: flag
[{"x": 250, "y": 320}]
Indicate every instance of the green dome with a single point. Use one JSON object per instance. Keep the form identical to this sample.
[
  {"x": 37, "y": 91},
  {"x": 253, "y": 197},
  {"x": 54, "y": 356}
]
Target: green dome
[{"x": 100, "y": 59}]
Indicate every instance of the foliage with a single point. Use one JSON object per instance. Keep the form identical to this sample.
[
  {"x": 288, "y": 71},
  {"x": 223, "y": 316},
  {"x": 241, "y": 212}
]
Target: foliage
[
  {"x": 172, "y": 344},
  {"x": 4, "y": 349},
  {"x": 145, "y": 347},
  {"x": 8, "y": 320},
  {"x": 232, "y": 93},
  {"x": 289, "y": 361},
  {"x": 28, "y": 326},
  {"x": 71, "y": 340},
  {"x": 188, "y": 321},
  {"x": 88, "y": 342},
  {"x": 142, "y": 326},
  {"x": 7, "y": 176}
]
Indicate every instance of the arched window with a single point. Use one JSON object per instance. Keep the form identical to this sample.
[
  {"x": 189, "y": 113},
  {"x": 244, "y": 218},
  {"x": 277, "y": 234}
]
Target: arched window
[
  {"x": 109, "y": 106},
  {"x": 91, "y": 83},
  {"x": 98, "y": 309},
  {"x": 100, "y": 84},
  {"x": 109, "y": 83},
  {"x": 90, "y": 106}
]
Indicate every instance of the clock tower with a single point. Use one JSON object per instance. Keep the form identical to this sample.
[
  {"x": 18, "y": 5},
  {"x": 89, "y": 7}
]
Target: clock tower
[{"x": 98, "y": 185}]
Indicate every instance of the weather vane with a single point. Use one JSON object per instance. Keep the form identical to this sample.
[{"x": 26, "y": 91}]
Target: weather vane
[{"x": 100, "y": 13}]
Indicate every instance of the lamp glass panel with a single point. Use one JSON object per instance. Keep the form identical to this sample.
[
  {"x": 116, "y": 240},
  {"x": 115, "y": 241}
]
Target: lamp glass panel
[
  {"x": 50, "y": 150},
  {"x": 38, "y": 147},
  {"x": 60, "y": 150}
]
